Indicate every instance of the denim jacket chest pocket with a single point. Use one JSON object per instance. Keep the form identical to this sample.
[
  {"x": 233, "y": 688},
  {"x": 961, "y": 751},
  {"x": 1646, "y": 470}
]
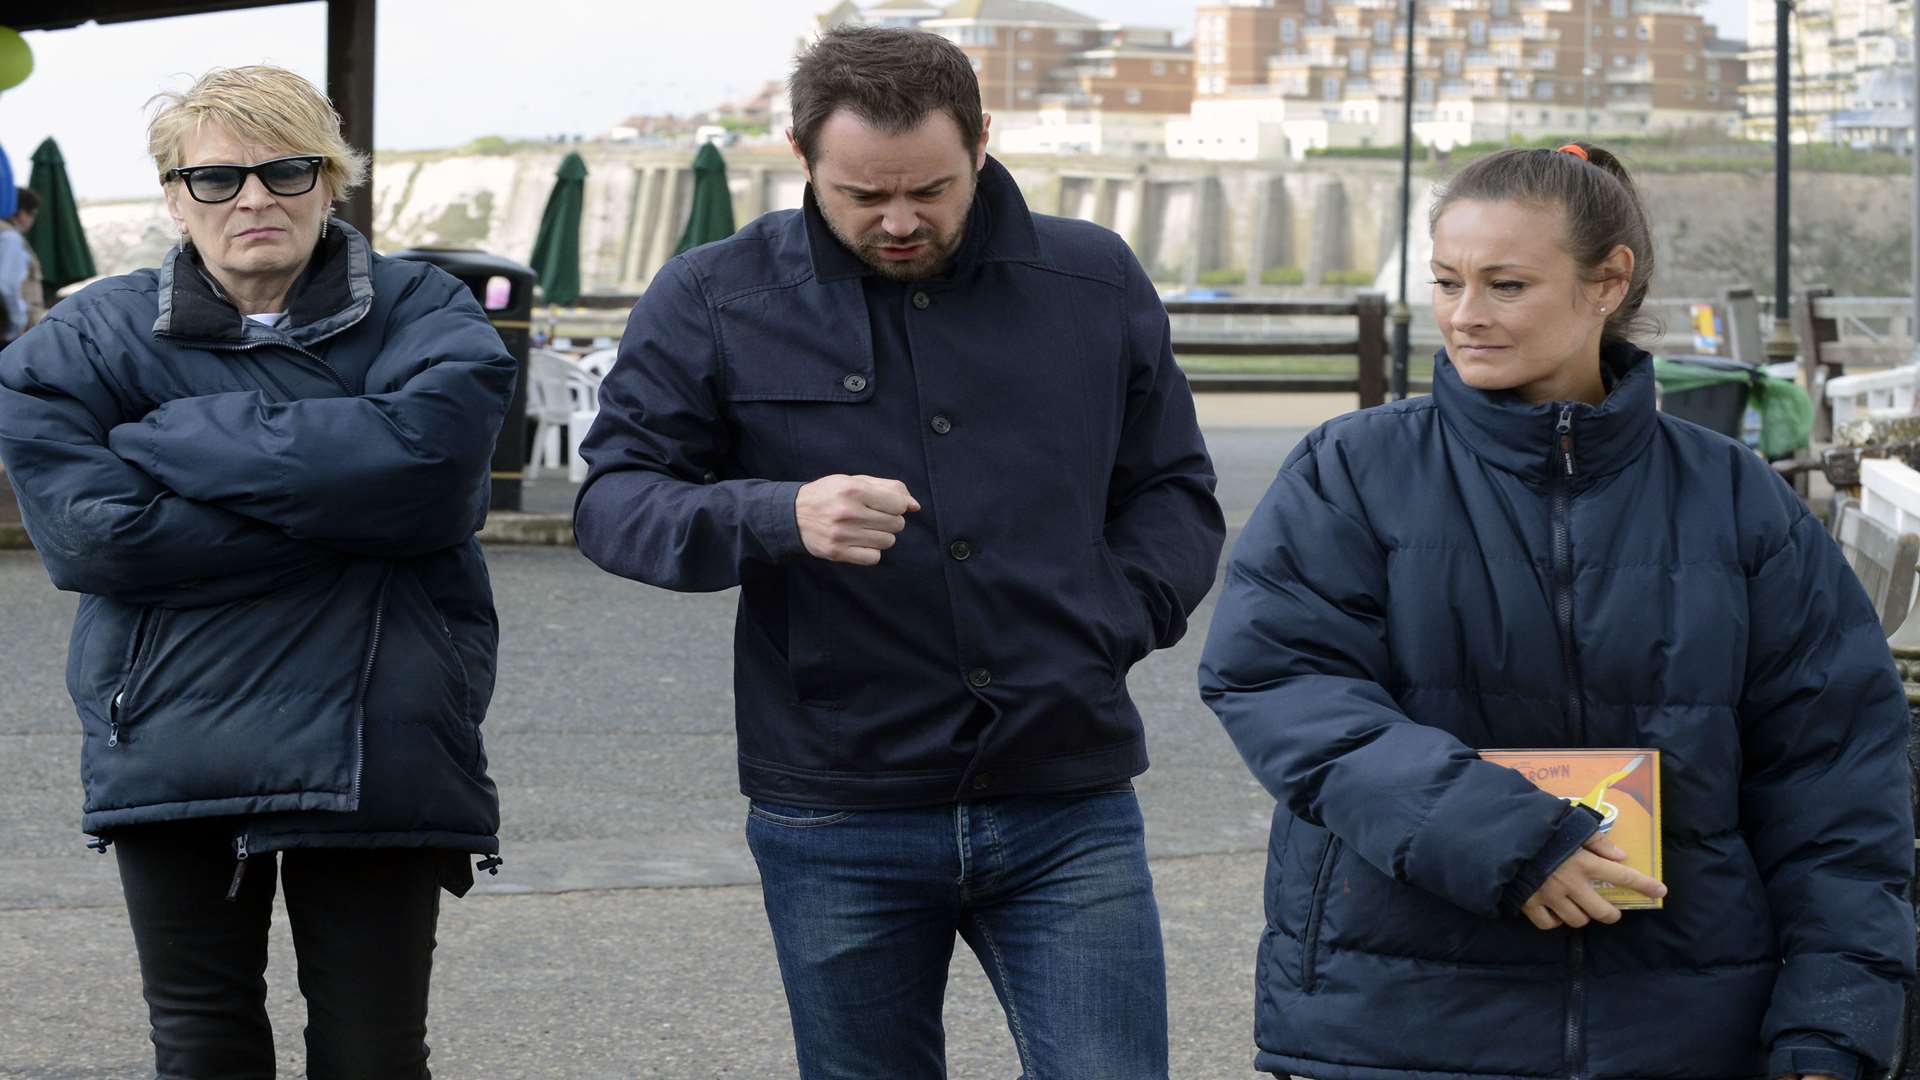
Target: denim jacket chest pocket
[{"x": 793, "y": 398}]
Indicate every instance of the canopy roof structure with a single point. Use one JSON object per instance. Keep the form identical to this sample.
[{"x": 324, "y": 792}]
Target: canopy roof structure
[{"x": 349, "y": 56}]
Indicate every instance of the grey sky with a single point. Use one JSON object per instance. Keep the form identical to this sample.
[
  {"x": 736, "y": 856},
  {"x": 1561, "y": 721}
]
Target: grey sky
[{"x": 449, "y": 70}]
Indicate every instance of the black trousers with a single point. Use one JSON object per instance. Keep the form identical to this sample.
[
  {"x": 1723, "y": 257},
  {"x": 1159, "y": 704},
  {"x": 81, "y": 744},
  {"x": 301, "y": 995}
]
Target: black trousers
[{"x": 363, "y": 923}]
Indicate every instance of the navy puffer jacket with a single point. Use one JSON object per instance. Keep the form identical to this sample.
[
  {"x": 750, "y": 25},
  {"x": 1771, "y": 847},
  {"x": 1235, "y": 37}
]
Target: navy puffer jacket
[
  {"x": 1467, "y": 571},
  {"x": 284, "y": 617}
]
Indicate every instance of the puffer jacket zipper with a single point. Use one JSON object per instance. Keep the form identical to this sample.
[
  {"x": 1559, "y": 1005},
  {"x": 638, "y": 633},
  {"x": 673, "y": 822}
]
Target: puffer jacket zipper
[
  {"x": 366, "y": 680},
  {"x": 141, "y": 633},
  {"x": 1566, "y": 471},
  {"x": 1316, "y": 914}
]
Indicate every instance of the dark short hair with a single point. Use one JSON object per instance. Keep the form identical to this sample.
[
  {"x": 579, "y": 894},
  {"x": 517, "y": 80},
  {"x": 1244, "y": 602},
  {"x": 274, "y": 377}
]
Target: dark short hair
[
  {"x": 889, "y": 77},
  {"x": 29, "y": 202},
  {"x": 1601, "y": 205}
]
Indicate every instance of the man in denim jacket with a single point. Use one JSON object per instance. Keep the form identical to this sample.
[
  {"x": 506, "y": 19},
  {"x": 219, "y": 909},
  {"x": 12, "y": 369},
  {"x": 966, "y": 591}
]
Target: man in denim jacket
[{"x": 941, "y": 445}]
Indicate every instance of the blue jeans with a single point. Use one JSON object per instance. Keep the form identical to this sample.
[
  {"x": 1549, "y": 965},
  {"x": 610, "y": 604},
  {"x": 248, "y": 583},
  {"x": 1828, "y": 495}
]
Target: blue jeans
[{"x": 1051, "y": 892}]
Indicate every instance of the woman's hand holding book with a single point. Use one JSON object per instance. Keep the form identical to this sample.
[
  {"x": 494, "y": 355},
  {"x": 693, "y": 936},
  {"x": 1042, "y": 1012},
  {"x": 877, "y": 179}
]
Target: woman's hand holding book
[{"x": 1567, "y": 898}]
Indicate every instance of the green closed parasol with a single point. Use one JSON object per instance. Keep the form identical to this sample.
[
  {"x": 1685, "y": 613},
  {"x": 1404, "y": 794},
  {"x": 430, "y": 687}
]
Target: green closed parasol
[
  {"x": 712, "y": 215},
  {"x": 56, "y": 235},
  {"x": 556, "y": 251}
]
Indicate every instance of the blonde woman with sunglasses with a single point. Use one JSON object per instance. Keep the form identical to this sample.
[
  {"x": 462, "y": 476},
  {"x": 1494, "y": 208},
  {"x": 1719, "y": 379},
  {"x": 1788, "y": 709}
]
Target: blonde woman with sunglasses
[{"x": 261, "y": 467}]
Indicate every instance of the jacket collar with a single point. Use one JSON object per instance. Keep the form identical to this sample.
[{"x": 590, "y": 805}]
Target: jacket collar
[
  {"x": 1523, "y": 439},
  {"x": 999, "y": 229},
  {"x": 334, "y": 292}
]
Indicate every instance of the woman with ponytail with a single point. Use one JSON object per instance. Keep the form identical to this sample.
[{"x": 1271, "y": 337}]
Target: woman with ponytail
[{"x": 1533, "y": 557}]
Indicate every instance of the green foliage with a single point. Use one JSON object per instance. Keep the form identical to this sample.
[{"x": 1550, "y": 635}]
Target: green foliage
[
  {"x": 1347, "y": 277},
  {"x": 1283, "y": 275},
  {"x": 1392, "y": 151},
  {"x": 1223, "y": 276},
  {"x": 488, "y": 146},
  {"x": 461, "y": 225}
]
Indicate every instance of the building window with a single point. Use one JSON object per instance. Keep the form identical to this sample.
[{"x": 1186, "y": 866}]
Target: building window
[
  {"x": 1620, "y": 32},
  {"x": 1026, "y": 94},
  {"x": 1330, "y": 87},
  {"x": 1382, "y": 32},
  {"x": 1713, "y": 93},
  {"x": 1219, "y": 54},
  {"x": 1690, "y": 63},
  {"x": 1067, "y": 37},
  {"x": 1566, "y": 89},
  {"x": 1713, "y": 71},
  {"x": 975, "y": 61},
  {"x": 1315, "y": 7},
  {"x": 1641, "y": 32},
  {"x": 1619, "y": 91},
  {"x": 1687, "y": 92},
  {"x": 1693, "y": 33},
  {"x": 1424, "y": 91},
  {"x": 1289, "y": 31},
  {"x": 1477, "y": 32},
  {"x": 1133, "y": 96},
  {"x": 1543, "y": 91},
  {"x": 1159, "y": 67},
  {"x": 1026, "y": 35},
  {"x": 1545, "y": 59},
  {"x": 1452, "y": 64},
  {"x": 1620, "y": 8},
  {"x": 1502, "y": 8},
  {"x": 1357, "y": 60},
  {"x": 1619, "y": 60},
  {"x": 1546, "y": 116},
  {"x": 1179, "y": 69},
  {"x": 1026, "y": 63}
]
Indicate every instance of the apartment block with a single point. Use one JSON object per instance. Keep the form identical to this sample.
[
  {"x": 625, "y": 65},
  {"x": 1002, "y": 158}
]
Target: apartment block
[
  {"x": 1054, "y": 79},
  {"x": 1849, "y": 76},
  {"x": 1332, "y": 72}
]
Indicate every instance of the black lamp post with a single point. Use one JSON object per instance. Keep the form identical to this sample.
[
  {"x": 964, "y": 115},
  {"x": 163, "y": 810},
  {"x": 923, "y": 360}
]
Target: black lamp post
[
  {"x": 1402, "y": 314},
  {"x": 1781, "y": 346}
]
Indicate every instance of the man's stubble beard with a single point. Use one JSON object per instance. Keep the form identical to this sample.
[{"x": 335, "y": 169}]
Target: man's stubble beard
[{"x": 933, "y": 261}]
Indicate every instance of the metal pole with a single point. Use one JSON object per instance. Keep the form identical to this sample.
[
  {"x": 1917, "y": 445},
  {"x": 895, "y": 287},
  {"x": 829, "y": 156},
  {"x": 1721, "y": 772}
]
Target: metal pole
[
  {"x": 350, "y": 85},
  {"x": 1913, "y": 147},
  {"x": 1781, "y": 346},
  {"x": 1586, "y": 74},
  {"x": 1402, "y": 313}
]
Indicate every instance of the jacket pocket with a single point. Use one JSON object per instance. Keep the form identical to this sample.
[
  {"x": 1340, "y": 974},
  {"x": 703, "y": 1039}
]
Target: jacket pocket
[
  {"x": 1125, "y": 622},
  {"x": 120, "y": 707},
  {"x": 1316, "y": 914}
]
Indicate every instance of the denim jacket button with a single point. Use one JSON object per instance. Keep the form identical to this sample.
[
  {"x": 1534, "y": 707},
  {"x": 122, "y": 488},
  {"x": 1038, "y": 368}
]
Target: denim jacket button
[
  {"x": 979, "y": 677},
  {"x": 854, "y": 383},
  {"x": 921, "y": 300}
]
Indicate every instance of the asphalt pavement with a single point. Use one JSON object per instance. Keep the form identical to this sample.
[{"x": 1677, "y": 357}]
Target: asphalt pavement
[{"x": 624, "y": 937}]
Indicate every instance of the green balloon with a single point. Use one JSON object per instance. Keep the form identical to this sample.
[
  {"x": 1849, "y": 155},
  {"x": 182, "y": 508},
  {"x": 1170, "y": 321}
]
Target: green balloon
[{"x": 16, "y": 59}]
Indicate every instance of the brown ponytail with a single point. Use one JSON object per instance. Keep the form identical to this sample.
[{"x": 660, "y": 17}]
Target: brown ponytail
[{"x": 1597, "y": 197}]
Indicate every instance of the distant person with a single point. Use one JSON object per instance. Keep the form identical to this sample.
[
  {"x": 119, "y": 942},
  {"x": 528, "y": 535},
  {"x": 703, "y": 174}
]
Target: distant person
[
  {"x": 21, "y": 298},
  {"x": 262, "y": 465},
  {"x": 941, "y": 445},
  {"x": 1534, "y": 558}
]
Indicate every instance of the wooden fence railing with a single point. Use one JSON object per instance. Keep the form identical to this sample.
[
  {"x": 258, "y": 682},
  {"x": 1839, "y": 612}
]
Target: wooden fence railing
[{"x": 1367, "y": 344}]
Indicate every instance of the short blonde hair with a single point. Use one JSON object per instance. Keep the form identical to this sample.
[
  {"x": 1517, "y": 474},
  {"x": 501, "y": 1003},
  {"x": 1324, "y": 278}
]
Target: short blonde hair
[{"x": 264, "y": 105}]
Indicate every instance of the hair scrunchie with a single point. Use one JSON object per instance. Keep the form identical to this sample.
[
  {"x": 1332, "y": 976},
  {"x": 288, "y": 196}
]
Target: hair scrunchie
[{"x": 1575, "y": 150}]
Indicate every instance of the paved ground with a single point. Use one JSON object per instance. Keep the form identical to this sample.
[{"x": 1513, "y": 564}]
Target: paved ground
[{"x": 625, "y": 936}]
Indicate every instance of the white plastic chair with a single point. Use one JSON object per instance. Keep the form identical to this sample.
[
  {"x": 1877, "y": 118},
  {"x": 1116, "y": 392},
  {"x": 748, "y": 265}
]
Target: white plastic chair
[
  {"x": 583, "y": 397},
  {"x": 549, "y": 405}
]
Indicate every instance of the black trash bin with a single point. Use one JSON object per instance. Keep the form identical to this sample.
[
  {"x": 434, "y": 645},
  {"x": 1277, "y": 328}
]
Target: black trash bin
[
  {"x": 505, "y": 289},
  {"x": 1719, "y": 407}
]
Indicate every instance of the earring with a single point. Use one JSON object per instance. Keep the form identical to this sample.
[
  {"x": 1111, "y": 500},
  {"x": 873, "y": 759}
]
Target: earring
[
  {"x": 1603, "y": 311},
  {"x": 323, "y": 235}
]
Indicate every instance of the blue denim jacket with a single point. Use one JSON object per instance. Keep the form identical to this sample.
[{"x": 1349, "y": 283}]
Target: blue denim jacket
[{"x": 1068, "y": 525}]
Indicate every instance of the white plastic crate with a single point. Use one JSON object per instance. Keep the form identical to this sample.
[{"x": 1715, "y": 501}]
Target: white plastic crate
[{"x": 1876, "y": 393}]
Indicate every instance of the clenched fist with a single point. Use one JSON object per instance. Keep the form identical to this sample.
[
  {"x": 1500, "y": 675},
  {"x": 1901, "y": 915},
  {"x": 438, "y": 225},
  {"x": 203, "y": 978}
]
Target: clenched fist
[{"x": 852, "y": 519}]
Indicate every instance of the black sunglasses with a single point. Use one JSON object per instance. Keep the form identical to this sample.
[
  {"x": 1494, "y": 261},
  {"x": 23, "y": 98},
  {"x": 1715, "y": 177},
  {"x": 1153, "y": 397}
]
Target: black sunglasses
[{"x": 218, "y": 183}]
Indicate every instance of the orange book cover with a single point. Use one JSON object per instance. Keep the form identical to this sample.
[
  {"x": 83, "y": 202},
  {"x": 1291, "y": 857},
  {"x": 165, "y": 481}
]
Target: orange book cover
[{"x": 1622, "y": 786}]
